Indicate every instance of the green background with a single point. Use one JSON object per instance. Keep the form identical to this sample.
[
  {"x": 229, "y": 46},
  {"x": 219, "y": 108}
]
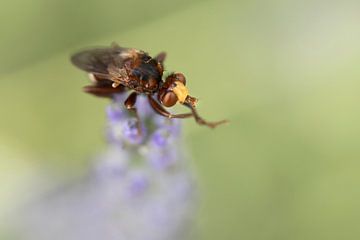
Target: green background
[{"x": 285, "y": 73}]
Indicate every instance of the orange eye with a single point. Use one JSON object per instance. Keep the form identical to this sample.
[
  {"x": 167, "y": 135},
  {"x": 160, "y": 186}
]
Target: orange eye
[
  {"x": 180, "y": 77},
  {"x": 169, "y": 99}
]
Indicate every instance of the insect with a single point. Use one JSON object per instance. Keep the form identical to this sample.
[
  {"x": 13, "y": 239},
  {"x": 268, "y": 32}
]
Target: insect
[{"x": 117, "y": 69}]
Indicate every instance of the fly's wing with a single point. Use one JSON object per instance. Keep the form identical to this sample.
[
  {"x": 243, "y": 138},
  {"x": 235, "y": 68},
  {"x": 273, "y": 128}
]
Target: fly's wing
[{"x": 98, "y": 60}]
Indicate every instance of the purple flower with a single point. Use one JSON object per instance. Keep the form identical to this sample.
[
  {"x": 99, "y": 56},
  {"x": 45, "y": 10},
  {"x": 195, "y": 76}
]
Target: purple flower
[
  {"x": 132, "y": 132},
  {"x": 139, "y": 188},
  {"x": 138, "y": 183},
  {"x": 162, "y": 158},
  {"x": 112, "y": 163},
  {"x": 114, "y": 113},
  {"x": 160, "y": 138}
]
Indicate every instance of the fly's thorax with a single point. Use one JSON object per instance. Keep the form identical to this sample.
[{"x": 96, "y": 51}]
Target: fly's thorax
[{"x": 147, "y": 76}]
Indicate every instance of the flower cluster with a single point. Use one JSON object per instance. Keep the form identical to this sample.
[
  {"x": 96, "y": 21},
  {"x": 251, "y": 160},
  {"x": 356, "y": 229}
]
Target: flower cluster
[{"x": 139, "y": 188}]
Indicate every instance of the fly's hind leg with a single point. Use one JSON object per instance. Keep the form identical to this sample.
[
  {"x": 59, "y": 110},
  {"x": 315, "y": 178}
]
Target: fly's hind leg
[
  {"x": 101, "y": 86},
  {"x": 130, "y": 105}
]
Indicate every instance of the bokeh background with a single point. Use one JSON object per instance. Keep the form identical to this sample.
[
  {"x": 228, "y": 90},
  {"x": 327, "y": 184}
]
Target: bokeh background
[{"x": 286, "y": 73}]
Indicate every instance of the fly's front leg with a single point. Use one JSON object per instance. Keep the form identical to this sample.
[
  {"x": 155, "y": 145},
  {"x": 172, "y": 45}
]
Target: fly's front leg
[
  {"x": 160, "y": 110},
  {"x": 202, "y": 121},
  {"x": 130, "y": 105}
]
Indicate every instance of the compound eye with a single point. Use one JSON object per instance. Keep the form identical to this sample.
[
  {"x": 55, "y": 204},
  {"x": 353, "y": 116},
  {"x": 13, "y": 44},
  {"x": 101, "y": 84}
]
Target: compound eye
[
  {"x": 180, "y": 77},
  {"x": 169, "y": 99}
]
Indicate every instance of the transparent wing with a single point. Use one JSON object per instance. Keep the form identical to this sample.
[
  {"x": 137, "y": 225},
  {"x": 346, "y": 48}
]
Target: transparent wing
[{"x": 98, "y": 60}]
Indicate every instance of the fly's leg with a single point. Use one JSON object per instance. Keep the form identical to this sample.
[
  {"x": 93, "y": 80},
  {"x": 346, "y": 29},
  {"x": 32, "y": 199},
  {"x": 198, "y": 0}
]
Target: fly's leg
[
  {"x": 160, "y": 110},
  {"x": 202, "y": 121},
  {"x": 130, "y": 105}
]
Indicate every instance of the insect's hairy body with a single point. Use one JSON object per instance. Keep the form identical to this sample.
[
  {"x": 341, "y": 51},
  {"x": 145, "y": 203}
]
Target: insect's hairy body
[{"x": 116, "y": 69}]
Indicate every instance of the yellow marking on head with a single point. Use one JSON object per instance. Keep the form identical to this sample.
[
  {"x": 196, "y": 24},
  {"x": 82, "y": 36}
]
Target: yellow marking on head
[{"x": 181, "y": 91}]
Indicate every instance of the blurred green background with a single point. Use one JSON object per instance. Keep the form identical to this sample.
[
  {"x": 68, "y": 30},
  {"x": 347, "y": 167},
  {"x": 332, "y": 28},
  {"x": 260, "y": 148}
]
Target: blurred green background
[{"x": 286, "y": 73}]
